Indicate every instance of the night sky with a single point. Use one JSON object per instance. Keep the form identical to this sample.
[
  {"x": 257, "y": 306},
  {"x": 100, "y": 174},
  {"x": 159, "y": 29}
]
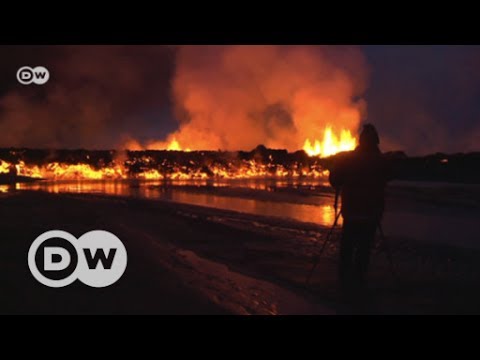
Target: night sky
[
  {"x": 426, "y": 98},
  {"x": 423, "y": 99}
]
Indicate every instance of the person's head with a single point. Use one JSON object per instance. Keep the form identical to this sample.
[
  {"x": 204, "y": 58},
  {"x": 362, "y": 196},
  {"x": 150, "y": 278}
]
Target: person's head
[{"x": 369, "y": 136}]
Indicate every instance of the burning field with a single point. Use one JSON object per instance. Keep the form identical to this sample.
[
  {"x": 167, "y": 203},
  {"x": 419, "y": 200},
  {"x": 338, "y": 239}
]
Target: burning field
[{"x": 174, "y": 163}]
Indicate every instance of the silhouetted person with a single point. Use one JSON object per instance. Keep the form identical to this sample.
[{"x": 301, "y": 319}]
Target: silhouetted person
[{"x": 360, "y": 176}]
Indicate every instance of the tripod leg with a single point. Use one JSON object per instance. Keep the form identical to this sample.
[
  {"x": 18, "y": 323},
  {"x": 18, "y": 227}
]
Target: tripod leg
[
  {"x": 317, "y": 258},
  {"x": 330, "y": 232},
  {"x": 388, "y": 252}
]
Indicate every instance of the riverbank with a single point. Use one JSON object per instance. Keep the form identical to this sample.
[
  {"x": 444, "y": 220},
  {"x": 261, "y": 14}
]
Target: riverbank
[{"x": 186, "y": 259}]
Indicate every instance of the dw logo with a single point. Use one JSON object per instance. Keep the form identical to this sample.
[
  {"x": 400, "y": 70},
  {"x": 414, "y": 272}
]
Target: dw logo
[
  {"x": 38, "y": 75},
  {"x": 97, "y": 258}
]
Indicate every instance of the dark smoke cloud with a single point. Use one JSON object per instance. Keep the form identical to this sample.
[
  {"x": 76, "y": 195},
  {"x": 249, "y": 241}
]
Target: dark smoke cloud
[
  {"x": 97, "y": 96},
  {"x": 422, "y": 98}
]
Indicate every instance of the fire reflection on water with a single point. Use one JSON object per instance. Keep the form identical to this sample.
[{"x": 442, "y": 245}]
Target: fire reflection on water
[{"x": 322, "y": 212}]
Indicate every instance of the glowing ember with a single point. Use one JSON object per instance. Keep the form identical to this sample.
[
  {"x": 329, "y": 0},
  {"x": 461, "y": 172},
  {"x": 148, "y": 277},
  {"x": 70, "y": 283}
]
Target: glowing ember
[
  {"x": 57, "y": 171},
  {"x": 157, "y": 165},
  {"x": 239, "y": 170},
  {"x": 331, "y": 144}
]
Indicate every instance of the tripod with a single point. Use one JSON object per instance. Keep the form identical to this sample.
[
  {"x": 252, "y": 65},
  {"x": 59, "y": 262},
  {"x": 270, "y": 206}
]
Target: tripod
[
  {"x": 388, "y": 252},
  {"x": 384, "y": 240},
  {"x": 327, "y": 239},
  {"x": 317, "y": 258}
]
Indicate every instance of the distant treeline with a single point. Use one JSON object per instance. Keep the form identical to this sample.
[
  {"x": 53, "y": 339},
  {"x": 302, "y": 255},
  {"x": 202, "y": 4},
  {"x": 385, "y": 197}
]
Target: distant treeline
[{"x": 459, "y": 168}]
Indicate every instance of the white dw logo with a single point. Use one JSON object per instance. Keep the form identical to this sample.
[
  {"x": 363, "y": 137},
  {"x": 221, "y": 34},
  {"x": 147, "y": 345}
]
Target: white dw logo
[
  {"x": 56, "y": 258},
  {"x": 38, "y": 75}
]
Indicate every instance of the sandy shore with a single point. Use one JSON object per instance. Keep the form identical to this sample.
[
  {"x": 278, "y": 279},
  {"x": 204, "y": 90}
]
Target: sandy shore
[{"x": 185, "y": 259}]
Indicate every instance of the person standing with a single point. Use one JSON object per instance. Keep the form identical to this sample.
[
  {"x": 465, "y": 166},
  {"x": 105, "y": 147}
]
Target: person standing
[{"x": 360, "y": 176}]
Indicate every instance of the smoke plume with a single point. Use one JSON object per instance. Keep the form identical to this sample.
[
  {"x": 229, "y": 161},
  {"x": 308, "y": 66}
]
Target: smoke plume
[
  {"x": 422, "y": 99},
  {"x": 236, "y": 97},
  {"x": 97, "y": 97}
]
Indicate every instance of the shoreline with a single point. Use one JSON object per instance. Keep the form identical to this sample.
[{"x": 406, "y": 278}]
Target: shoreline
[{"x": 216, "y": 261}]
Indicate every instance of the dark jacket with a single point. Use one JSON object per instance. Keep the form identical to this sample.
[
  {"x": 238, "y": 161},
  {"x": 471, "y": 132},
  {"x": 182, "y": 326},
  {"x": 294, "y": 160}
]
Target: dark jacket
[{"x": 361, "y": 176}]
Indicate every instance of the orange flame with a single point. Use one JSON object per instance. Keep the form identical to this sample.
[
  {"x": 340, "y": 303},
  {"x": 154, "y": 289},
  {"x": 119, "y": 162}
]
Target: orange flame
[
  {"x": 243, "y": 170},
  {"x": 58, "y": 171},
  {"x": 173, "y": 145},
  {"x": 331, "y": 144}
]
